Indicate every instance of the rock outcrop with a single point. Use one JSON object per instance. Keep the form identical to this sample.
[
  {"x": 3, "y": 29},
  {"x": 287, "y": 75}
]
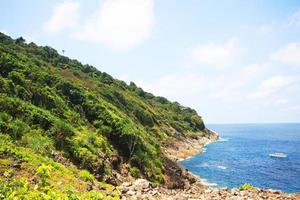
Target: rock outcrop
[{"x": 183, "y": 146}]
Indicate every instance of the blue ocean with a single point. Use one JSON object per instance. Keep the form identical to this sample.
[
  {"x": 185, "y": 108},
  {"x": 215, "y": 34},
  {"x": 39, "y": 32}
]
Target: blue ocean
[{"x": 242, "y": 155}]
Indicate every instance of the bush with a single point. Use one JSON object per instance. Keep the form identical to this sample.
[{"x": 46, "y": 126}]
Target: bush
[
  {"x": 61, "y": 131},
  {"x": 4, "y": 121},
  {"x": 17, "y": 78},
  {"x": 143, "y": 116},
  {"x": 4, "y": 117},
  {"x": 17, "y": 128},
  {"x": 15, "y": 189},
  {"x": 246, "y": 186},
  {"x": 89, "y": 149},
  {"x": 87, "y": 159},
  {"x": 86, "y": 175},
  {"x": 44, "y": 173},
  {"x": 37, "y": 142},
  {"x": 135, "y": 172}
]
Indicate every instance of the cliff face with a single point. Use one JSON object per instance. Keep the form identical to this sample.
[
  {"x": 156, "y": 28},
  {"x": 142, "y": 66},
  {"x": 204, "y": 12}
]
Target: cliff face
[{"x": 77, "y": 124}]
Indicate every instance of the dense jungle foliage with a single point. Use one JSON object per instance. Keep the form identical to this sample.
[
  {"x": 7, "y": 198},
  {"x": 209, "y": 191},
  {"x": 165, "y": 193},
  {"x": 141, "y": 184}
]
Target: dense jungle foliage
[{"x": 65, "y": 126}]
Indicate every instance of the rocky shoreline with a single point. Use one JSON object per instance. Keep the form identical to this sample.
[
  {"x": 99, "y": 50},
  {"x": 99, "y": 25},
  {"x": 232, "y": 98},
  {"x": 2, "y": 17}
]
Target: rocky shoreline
[
  {"x": 142, "y": 189},
  {"x": 185, "y": 147},
  {"x": 187, "y": 185}
]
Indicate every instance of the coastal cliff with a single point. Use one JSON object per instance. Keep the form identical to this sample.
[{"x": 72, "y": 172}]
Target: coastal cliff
[
  {"x": 65, "y": 126},
  {"x": 69, "y": 131}
]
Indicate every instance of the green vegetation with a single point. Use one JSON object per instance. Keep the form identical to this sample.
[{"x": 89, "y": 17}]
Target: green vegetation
[
  {"x": 25, "y": 174},
  {"x": 86, "y": 175},
  {"x": 62, "y": 121},
  {"x": 134, "y": 172},
  {"x": 246, "y": 186}
]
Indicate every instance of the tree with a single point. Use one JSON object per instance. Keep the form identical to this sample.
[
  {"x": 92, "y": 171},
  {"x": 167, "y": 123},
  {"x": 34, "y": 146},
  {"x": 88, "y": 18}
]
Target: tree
[{"x": 20, "y": 40}]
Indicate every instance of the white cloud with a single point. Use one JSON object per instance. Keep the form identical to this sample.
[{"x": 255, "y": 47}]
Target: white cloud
[
  {"x": 230, "y": 87},
  {"x": 268, "y": 29},
  {"x": 218, "y": 55},
  {"x": 294, "y": 19},
  {"x": 251, "y": 72},
  {"x": 275, "y": 27},
  {"x": 65, "y": 15},
  {"x": 272, "y": 85},
  {"x": 176, "y": 86},
  {"x": 119, "y": 24},
  {"x": 280, "y": 102},
  {"x": 292, "y": 108},
  {"x": 289, "y": 54}
]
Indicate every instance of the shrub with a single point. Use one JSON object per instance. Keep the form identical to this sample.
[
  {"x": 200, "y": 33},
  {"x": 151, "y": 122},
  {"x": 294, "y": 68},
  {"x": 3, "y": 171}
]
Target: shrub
[
  {"x": 89, "y": 148},
  {"x": 36, "y": 141},
  {"x": 44, "y": 172},
  {"x": 61, "y": 131},
  {"x": 143, "y": 116},
  {"x": 135, "y": 172},
  {"x": 5, "y": 117},
  {"x": 17, "y": 128},
  {"x": 86, "y": 175},
  {"x": 15, "y": 189},
  {"x": 17, "y": 77},
  {"x": 72, "y": 195},
  {"x": 246, "y": 186},
  {"x": 86, "y": 158},
  {"x": 4, "y": 121},
  {"x": 95, "y": 195}
]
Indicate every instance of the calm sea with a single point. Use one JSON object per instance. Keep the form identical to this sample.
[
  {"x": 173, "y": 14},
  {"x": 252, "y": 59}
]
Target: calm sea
[{"x": 242, "y": 155}]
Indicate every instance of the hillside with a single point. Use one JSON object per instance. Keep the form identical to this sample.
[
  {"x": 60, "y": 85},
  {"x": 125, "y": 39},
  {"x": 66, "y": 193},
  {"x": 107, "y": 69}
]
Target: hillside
[{"x": 66, "y": 128}]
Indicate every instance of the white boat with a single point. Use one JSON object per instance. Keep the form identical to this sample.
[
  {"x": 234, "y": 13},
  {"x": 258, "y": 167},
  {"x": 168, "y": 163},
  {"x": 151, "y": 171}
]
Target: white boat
[{"x": 278, "y": 155}]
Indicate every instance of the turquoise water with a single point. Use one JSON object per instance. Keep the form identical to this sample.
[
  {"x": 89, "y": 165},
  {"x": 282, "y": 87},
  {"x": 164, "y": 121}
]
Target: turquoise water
[{"x": 243, "y": 156}]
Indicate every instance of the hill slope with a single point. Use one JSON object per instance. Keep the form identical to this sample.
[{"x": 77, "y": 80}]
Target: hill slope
[{"x": 65, "y": 127}]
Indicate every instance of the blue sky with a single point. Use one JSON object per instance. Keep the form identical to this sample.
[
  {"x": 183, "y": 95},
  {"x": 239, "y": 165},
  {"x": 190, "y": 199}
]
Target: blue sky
[{"x": 233, "y": 61}]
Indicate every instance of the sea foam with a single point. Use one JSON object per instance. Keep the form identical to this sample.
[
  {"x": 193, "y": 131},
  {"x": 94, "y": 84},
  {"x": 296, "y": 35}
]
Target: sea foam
[{"x": 223, "y": 139}]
